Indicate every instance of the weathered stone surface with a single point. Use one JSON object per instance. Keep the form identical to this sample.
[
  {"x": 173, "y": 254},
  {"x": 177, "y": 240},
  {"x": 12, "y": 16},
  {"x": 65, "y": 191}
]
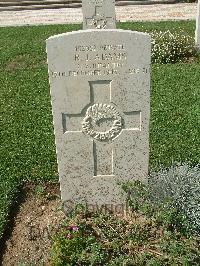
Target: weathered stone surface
[
  {"x": 197, "y": 32},
  {"x": 100, "y": 86},
  {"x": 98, "y": 14}
]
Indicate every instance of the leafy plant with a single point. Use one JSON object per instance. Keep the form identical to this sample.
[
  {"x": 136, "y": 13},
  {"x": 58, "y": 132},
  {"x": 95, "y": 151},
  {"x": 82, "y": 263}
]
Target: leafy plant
[
  {"x": 40, "y": 190},
  {"x": 180, "y": 185},
  {"x": 74, "y": 245},
  {"x": 172, "y": 47}
]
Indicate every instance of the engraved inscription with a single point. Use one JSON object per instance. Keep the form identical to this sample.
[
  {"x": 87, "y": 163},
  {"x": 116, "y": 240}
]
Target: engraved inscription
[
  {"x": 96, "y": 2},
  {"x": 104, "y": 47},
  {"x": 100, "y": 60},
  {"x": 98, "y": 112},
  {"x": 101, "y": 70},
  {"x": 101, "y": 57}
]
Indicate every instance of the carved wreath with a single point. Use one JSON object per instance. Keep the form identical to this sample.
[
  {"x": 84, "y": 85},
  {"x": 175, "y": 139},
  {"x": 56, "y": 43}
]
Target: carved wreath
[{"x": 97, "y": 112}]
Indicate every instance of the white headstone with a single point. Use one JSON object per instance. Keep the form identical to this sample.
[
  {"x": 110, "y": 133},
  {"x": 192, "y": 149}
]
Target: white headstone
[
  {"x": 100, "y": 93},
  {"x": 98, "y": 14},
  {"x": 197, "y": 32}
]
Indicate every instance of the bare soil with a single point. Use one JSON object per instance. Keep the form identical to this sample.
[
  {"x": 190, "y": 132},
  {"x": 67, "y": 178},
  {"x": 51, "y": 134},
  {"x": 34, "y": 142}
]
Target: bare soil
[{"x": 30, "y": 239}]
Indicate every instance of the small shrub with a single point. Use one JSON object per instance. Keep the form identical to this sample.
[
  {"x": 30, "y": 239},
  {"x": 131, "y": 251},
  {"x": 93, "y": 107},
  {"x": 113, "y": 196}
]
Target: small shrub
[
  {"x": 77, "y": 245},
  {"x": 163, "y": 212},
  {"x": 172, "y": 47},
  {"x": 179, "y": 184},
  {"x": 40, "y": 190}
]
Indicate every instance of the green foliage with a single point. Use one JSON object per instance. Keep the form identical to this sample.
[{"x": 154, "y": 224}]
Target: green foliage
[
  {"x": 148, "y": 234},
  {"x": 164, "y": 212},
  {"x": 175, "y": 116},
  {"x": 40, "y": 191},
  {"x": 77, "y": 247},
  {"x": 180, "y": 184},
  {"x": 172, "y": 47},
  {"x": 8, "y": 193},
  {"x": 175, "y": 26},
  {"x": 172, "y": 198},
  {"x": 168, "y": 46}
]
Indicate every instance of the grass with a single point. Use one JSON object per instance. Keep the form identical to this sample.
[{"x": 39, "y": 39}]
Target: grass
[
  {"x": 175, "y": 119},
  {"x": 28, "y": 150}
]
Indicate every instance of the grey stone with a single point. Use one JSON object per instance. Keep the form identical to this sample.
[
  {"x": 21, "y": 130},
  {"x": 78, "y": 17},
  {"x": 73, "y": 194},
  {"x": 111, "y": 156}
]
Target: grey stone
[
  {"x": 98, "y": 14},
  {"x": 100, "y": 93},
  {"x": 197, "y": 32}
]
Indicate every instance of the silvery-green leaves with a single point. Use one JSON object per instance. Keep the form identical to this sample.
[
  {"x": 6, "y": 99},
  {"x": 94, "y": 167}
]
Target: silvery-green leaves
[{"x": 180, "y": 184}]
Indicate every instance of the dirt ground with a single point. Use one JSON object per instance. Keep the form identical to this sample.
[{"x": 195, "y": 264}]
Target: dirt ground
[{"x": 30, "y": 237}]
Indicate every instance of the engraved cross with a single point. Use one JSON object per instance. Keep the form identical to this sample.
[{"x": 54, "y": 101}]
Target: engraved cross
[
  {"x": 102, "y": 123},
  {"x": 99, "y": 14},
  {"x": 98, "y": 20}
]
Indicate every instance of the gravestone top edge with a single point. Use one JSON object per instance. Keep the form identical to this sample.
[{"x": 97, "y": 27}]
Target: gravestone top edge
[{"x": 100, "y": 31}]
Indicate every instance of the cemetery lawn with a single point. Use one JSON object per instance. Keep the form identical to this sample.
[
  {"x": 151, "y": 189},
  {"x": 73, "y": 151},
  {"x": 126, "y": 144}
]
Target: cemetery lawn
[{"x": 28, "y": 150}]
